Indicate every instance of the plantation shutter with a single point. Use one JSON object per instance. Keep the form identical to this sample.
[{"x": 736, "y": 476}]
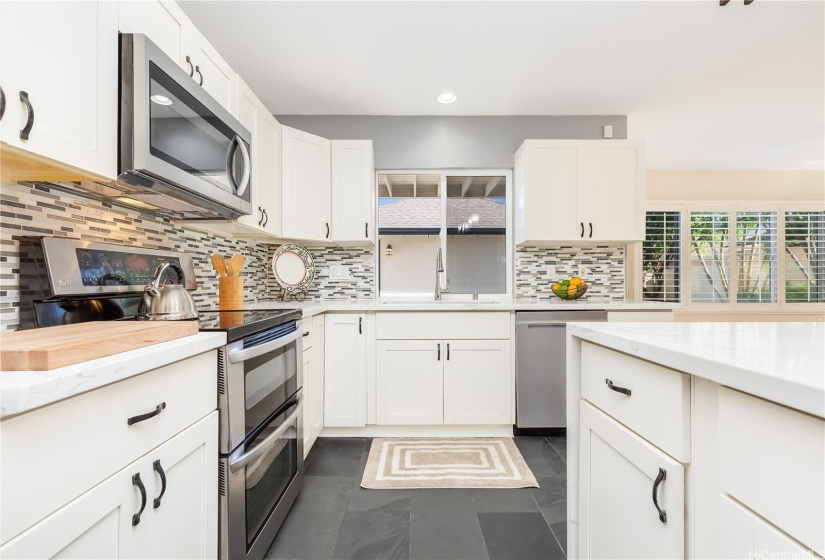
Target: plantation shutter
[
  {"x": 804, "y": 257},
  {"x": 710, "y": 257},
  {"x": 661, "y": 257},
  {"x": 756, "y": 256}
]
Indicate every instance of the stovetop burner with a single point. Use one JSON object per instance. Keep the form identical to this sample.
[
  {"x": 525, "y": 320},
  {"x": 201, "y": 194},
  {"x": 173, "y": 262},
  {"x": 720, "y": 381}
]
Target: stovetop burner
[{"x": 243, "y": 323}]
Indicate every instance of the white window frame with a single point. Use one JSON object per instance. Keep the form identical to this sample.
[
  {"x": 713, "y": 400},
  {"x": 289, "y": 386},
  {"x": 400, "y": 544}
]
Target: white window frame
[
  {"x": 508, "y": 241},
  {"x": 732, "y": 208}
]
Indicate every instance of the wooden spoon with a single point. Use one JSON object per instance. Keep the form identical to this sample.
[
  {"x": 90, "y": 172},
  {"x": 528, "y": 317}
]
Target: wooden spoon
[
  {"x": 227, "y": 263},
  {"x": 237, "y": 261},
  {"x": 218, "y": 265}
]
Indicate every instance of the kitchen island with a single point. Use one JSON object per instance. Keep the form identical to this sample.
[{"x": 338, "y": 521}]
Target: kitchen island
[{"x": 696, "y": 440}]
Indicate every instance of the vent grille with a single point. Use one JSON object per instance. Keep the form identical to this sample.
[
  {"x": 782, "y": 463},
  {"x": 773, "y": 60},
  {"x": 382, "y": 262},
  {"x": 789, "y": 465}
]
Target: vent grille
[
  {"x": 221, "y": 373},
  {"x": 222, "y": 478}
]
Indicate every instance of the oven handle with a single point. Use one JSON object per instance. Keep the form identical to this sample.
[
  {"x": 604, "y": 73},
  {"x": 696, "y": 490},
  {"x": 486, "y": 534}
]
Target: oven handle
[
  {"x": 255, "y": 351},
  {"x": 260, "y": 449}
]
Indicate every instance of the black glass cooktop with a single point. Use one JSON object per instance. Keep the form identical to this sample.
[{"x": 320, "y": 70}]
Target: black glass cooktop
[{"x": 239, "y": 324}]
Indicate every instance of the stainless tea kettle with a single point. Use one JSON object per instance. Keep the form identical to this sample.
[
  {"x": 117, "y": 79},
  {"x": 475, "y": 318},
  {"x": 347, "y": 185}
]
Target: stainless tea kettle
[{"x": 170, "y": 302}]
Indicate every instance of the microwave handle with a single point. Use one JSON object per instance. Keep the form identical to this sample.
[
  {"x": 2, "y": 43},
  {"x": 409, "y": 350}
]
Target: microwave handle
[
  {"x": 254, "y": 453},
  {"x": 237, "y": 143},
  {"x": 255, "y": 351}
]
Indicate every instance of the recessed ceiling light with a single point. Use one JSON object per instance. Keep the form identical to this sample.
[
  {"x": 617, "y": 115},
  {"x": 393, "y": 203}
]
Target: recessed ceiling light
[
  {"x": 160, "y": 99},
  {"x": 447, "y": 98}
]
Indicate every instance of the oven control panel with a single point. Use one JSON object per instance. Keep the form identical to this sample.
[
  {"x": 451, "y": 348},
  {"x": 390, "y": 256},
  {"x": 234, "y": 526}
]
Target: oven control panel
[{"x": 121, "y": 268}]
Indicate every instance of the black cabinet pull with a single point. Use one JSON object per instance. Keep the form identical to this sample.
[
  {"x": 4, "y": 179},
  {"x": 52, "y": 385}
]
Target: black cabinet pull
[
  {"x": 591, "y": 229},
  {"x": 439, "y": 353},
  {"x": 360, "y": 321},
  {"x": 159, "y": 470},
  {"x": 327, "y": 224},
  {"x": 24, "y": 133},
  {"x": 662, "y": 513},
  {"x": 306, "y": 333},
  {"x": 448, "y": 351},
  {"x": 266, "y": 218},
  {"x": 617, "y": 389},
  {"x": 141, "y": 417},
  {"x": 582, "y": 225},
  {"x": 2, "y": 103},
  {"x": 262, "y": 215},
  {"x": 139, "y": 483},
  {"x": 198, "y": 70},
  {"x": 191, "y": 68}
]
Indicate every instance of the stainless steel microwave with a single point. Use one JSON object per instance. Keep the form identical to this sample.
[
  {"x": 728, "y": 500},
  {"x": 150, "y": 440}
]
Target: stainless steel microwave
[{"x": 177, "y": 144}]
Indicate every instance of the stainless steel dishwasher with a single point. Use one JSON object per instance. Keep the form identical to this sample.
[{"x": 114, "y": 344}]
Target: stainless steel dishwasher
[{"x": 541, "y": 369}]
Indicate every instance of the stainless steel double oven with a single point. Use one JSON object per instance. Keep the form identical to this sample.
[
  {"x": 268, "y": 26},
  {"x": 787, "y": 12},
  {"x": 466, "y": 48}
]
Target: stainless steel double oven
[{"x": 260, "y": 403}]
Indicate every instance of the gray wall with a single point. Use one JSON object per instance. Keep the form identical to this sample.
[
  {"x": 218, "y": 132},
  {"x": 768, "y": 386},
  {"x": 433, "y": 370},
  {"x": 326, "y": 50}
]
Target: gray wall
[{"x": 431, "y": 142}]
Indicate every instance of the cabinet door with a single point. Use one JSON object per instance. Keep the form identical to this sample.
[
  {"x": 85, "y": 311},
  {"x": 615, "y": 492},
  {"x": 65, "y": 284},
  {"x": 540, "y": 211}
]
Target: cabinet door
[
  {"x": 305, "y": 184},
  {"x": 345, "y": 362},
  {"x": 268, "y": 170},
  {"x": 617, "y": 482},
  {"x": 98, "y": 524},
  {"x": 310, "y": 394},
  {"x": 182, "y": 519},
  {"x": 316, "y": 405},
  {"x": 353, "y": 194},
  {"x": 211, "y": 70},
  {"x": 64, "y": 55},
  {"x": 477, "y": 382},
  {"x": 410, "y": 382},
  {"x": 612, "y": 191},
  {"x": 744, "y": 535},
  {"x": 245, "y": 108},
  {"x": 547, "y": 199},
  {"x": 162, "y": 21}
]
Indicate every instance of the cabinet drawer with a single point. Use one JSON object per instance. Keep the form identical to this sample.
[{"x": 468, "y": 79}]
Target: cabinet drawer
[
  {"x": 51, "y": 455},
  {"x": 770, "y": 459},
  {"x": 658, "y": 407},
  {"x": 453, "y": 325}
]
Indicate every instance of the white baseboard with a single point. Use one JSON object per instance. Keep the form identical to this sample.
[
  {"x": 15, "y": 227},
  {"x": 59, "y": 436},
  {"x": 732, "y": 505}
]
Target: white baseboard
[{"x": 421, "y": 431}]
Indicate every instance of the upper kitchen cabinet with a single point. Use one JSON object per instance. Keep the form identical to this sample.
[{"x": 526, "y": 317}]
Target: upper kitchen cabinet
[
  {"x": 353, "y": 191},
  {"x": 580, "y": 192},
  {"x": 305, "y": 184},
  {"x": 165, "y": 24},
  {"x": 59, "y": 79}
]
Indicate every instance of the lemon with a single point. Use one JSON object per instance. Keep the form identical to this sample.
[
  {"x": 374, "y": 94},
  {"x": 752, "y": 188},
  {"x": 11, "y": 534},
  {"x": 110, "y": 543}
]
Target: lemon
[
  {"x": 575, "y": 281},
  {"x": 556, "y": 287}
]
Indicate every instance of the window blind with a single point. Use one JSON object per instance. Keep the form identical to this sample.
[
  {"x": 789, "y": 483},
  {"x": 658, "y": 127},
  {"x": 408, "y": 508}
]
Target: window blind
[
  {"x": 756, "y": 257},
  {"x": 661, "y": 257},
  {"x": 804, "y": 257},
  {"x": 710, "y": 262}
]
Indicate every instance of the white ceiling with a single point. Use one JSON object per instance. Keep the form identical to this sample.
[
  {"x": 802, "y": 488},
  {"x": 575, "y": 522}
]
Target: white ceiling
[{"x": 708, "y": 87}]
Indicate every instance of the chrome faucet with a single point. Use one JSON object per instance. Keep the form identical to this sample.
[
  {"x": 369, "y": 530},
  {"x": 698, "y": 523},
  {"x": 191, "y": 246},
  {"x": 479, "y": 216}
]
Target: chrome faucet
[{"x": 439, "y": 268}]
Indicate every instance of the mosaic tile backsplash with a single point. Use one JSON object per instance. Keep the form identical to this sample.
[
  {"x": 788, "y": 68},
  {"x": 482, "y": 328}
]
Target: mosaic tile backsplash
[
  {"x": 605, "y": 270},
  {"x": 36, "y": 209}
]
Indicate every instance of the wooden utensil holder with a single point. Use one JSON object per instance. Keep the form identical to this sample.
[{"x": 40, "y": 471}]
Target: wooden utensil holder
[{"x": 230, "y": 292}]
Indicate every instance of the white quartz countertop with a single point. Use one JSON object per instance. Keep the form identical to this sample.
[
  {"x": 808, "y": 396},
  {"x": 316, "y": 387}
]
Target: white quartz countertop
[
  {"x": 21, "y": 391},
  {"x": 315, "y": 307},
  {"x": 779, "y": 362}
]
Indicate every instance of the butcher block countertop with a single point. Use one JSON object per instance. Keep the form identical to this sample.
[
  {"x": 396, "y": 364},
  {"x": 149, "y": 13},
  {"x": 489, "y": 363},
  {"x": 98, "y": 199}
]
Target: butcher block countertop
[
  {"x": 21, "y": 391},
  {"x": 53, "y": 347}
]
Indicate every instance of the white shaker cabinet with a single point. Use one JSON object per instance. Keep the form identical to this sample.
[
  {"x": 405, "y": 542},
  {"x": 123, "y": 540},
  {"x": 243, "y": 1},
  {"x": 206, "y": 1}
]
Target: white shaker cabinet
[
  {"x": 210, "y": 69},
  {"x": 746, "y": 535},
  {"x": 410, "y": 382},
  {"x": 579, "y": 191},
  {"x": 59, "y": 76},
  {"x": 136, "y": 513},
  {"x": 313, "y": 380},
  {"x": 477, "y": 382},
  {"x": 620, "y": 475},
  {"x": 305, "y": 184},
  {"x": 353, "y": 192},
  {"x": 345, "y": 363}
]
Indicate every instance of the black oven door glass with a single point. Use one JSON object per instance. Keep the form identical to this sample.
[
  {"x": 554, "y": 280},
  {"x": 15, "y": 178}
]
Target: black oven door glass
[
  {"x": 269, "y": 476},
  {"x": 184, "y": 133},
  {"x": 269, "y": 380}
]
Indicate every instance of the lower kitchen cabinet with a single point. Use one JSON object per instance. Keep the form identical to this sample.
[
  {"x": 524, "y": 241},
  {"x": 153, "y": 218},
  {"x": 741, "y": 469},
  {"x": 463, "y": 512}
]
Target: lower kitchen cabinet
[
  {"x": 631, "y": 494},
  {"x": 422, "y": 382},
  {"x": 164, "y": 505},
  {"x": 410, "y": 382},
  {"x": 345, "y": 363},
  {"x": 477, "y": 382},
  {"x": 743, "y": 533},
  {"x": 313, "y": 380}
]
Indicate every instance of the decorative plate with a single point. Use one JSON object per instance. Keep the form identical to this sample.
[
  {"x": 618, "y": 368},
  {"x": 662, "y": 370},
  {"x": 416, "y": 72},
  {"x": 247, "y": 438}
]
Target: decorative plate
[{"x": 293, "y": 267}]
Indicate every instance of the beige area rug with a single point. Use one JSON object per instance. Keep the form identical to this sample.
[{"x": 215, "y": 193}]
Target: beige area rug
[{"x": 395, "y": 463}]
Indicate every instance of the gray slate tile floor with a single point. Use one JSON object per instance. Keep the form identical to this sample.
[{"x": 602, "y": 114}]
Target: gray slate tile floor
[{"x": 334, "y": 518}]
